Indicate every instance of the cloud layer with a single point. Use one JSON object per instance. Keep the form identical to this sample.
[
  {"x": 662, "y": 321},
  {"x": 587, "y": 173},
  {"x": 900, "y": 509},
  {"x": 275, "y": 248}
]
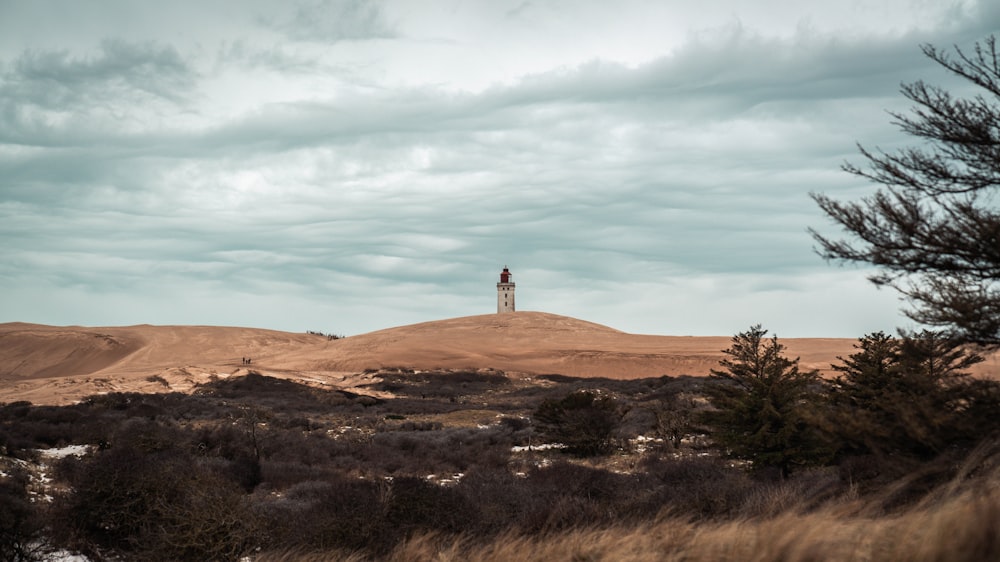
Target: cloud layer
[{"x": 346, "y": 166}]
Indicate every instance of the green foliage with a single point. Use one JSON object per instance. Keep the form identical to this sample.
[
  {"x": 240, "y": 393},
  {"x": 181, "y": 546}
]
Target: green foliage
[
  {"x": 909, "y": 399},
  {"x": 763, "y": 406},
  {"x": 583, "y": 421}
]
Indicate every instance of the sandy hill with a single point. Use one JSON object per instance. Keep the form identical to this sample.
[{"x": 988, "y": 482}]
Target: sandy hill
[
  {"x": 537, "y": 342},
  {"x": 56, "y": 364},
  {"x": 48, "y": 364}
]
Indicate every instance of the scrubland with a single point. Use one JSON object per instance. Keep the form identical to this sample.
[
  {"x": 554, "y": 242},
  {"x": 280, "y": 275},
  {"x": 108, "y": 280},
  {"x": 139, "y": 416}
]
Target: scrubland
[{"x": 456, "y": 466}]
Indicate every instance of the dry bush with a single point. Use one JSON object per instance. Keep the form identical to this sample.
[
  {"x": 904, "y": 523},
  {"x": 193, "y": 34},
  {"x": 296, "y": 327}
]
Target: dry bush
[
  {"x": 362, "y": 515},
  {"x": 698, "y": 488},
  {"x": 584, "y": 421},
  {"x": 180, "y": 484},
  {"x": 48, "y": 426},
  {"x": 959, "y": 529},
  {"x": 276, "y": 394},
  {"x": 149, "y": 498},
  {"x": 415, "y": 504},
  {"x": 20, "y": 522},
  {"x": 324, "y": 514},
  {"x": 445, "y": 450},
  {"x": 441, "y": 384},
  {"x": 502, "y": 500}
]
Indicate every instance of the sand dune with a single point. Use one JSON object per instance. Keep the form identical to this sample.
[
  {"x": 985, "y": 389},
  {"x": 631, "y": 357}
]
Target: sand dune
[
  {"x": 31, "y": 351},
  {"x": 47, "y": 364},
  {"x": 538, "y": 342}
]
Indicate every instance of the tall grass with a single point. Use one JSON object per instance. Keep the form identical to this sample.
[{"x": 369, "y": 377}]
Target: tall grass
[{"x": 961, "y": 527}]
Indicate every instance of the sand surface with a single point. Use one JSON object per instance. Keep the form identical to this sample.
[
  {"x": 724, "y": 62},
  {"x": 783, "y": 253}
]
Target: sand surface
[{"x": 58, "y": 365}]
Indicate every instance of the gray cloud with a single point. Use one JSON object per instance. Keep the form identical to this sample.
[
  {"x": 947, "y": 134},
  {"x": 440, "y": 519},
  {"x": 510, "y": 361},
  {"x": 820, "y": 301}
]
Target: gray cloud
[
  {"x": 54, "y": 98},
  {"x": 56, "y": 79},
  {"x": 329, "y": 21},
  {"x": 618, "y": 192}
]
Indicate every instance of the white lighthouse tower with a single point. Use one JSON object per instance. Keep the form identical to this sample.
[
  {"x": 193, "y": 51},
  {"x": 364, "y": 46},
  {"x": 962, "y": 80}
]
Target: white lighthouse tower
[{"x": 505, "y": 292}]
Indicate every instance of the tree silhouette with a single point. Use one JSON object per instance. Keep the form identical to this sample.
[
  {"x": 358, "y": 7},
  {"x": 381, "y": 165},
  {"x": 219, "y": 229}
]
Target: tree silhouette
[{"x": 933, "y": 228}]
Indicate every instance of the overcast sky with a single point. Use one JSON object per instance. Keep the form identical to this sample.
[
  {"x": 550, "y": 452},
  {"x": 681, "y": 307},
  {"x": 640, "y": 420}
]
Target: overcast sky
[{"x": 346, "y": 166}]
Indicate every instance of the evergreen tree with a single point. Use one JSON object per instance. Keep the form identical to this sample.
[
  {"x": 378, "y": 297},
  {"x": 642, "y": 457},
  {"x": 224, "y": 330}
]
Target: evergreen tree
[
  {"x": 763, "y": 406},
  {"x": 908, "y": 400}
]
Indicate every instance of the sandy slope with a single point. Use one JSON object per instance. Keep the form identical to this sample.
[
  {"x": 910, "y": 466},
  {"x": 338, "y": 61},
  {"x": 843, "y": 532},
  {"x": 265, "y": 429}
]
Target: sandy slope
[
  {"x": 546, "y": 343},
  {"x": 46, "y": 364}
]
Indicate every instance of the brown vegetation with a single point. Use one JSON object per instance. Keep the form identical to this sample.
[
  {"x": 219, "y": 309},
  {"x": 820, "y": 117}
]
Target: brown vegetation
[
  {"x": 960, "y": 529},
  {"x": 406, "y": 464},
  {"x": 266, "y": 467}
]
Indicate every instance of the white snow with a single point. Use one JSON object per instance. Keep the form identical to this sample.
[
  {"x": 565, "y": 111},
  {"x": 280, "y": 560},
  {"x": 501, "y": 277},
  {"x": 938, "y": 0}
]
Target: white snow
[
  {"x": 542, "y": 447},
  {"x": 64, "y": 556},
  {"x": 63, "y": 452}
]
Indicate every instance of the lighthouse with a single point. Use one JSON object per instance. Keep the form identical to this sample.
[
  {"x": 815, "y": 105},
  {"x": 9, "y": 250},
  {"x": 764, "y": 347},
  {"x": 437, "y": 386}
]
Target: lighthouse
[{"x": 505, "y": 292}]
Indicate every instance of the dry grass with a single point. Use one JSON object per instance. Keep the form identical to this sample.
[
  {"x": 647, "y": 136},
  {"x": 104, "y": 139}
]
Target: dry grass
[{"x": 963, "y": 528}]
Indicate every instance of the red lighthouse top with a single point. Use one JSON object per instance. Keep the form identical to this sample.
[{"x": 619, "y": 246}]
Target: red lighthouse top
[{"x": 505, "y": 275}]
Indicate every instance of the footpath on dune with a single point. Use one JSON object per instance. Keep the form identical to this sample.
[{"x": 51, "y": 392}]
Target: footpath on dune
[{"x": 47, "y": 364}]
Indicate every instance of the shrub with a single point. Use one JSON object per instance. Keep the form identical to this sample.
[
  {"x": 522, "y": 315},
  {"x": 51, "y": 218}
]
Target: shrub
[
  {"x": 698, "y": 488},
  {"x": 583, "y": 421},
  {"x": 416, "y": 504},
  {"x": 20, "y": 521},
  {"x": 147, "y": 497},
  {"x": 323, "y": 514}
]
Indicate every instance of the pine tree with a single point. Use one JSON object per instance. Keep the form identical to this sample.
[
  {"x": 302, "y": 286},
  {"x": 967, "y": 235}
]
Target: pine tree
[
  {"x": 763, "y": 406},
  {"x": 907, "y": 400}
]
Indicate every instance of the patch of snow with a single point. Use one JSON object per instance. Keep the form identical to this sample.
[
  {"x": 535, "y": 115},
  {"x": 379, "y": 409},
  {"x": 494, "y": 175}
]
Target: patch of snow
[
  {"x": 63, "y": 452},
  {"x": 454, "y": 479},
  {"x": 542, "y": 447},
  {"x": 64, "y": 556},
  {"x": 641, "y": 442}
]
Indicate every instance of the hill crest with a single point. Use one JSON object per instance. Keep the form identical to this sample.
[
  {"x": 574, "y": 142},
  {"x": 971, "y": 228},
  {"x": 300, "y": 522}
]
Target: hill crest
[{"x": 51, "y": 364}]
